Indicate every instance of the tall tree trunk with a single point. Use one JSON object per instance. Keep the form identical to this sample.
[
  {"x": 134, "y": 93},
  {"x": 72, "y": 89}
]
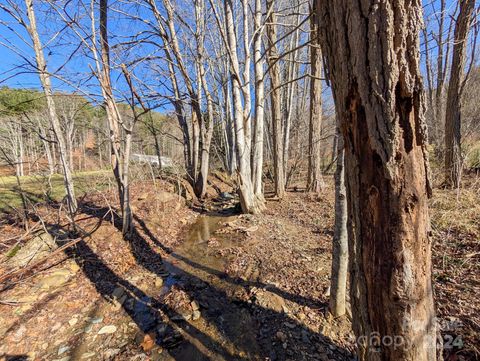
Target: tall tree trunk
[
  {"x": 372, "y": 56},
  {"x": 277, "y": 128},
  {"x": 52, "y": 111},
  {"x": 439, "y": 91},
  {"x": 453, "y": 118},
  {"x": 340, "y": 238},
  {"x": 230, "y": 130},
  {"x": 172, "y": 44},
  {"x": 21, "y": 156},
  {"x": 48, "y": 151},
  {"x": 314, "y": 178},
  {"x": 257, "y": 151},
  {"x": 119, "y": 158},
  {"x": 206, "y": 122},
  {"x": 248, "y": 201},
  {"x": 157, "y": 148}
]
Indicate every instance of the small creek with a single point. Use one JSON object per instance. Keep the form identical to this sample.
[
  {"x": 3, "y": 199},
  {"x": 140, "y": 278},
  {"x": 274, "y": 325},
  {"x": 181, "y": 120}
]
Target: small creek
[{"x": 226, "y": 329}]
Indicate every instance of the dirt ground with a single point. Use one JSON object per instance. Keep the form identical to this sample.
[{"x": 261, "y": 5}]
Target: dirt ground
[{"x": 202, "y": 282}]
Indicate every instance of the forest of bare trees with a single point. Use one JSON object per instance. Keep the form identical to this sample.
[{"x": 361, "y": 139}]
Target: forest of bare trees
[{"x": 356, "y": 120}]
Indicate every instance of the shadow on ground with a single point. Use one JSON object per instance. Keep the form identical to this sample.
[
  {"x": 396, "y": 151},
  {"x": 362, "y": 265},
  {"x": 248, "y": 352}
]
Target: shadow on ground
[{"x": 232, "y": 327}]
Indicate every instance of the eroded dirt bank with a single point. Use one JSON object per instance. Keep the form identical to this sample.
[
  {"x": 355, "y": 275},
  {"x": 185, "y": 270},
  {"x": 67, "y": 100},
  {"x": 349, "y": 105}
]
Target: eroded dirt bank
[{"x": 210, "y": 285}]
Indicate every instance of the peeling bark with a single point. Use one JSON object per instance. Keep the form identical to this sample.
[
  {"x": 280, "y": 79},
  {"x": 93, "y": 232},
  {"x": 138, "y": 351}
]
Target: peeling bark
[{"x": 372, "y": 56}]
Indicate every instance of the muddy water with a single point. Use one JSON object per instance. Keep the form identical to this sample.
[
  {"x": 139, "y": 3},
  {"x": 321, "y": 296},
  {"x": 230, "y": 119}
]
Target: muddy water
[{"x": 225, "y": 330}]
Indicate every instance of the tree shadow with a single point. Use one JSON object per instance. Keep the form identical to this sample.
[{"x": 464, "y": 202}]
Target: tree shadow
[
  {"x": 231, "y": 314},
  {"x": 16, "y": 357},
  {"x": 225, "y": 277},
  {"x": 247, "y": 330},
  {"x": 145, "y": 309}
]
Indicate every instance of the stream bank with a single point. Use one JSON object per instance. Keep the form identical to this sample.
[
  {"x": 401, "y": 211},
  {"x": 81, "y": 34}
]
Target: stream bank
[{"x": 188, "y": 286}]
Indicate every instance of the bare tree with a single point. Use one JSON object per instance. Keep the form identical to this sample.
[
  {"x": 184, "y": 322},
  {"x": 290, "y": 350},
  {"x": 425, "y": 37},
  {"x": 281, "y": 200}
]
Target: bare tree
[
  {"x": 120, "y": 148},
  {"x": 52, "y": 111},
  {"x": 372, "y": 59},
  {"x": 340, "y": 237},
  {"x": 314, "y": 178},
  {"x": 453, "y": 115},
  {"x": 275, "y": 80},
  {"x": 258, "y": 132},
  {"x": 242, "y": 121}
]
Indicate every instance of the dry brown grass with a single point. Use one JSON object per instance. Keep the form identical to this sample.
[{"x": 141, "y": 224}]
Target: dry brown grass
[{"x": 455, "y": 222}]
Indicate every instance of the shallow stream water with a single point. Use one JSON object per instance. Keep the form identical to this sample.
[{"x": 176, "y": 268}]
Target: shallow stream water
[{"x": 226, "y": 329}]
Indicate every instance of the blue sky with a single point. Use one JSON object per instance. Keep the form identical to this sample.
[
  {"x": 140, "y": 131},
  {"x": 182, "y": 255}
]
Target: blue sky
[
  {"x": 64, "y": 55},
  {"x": 15, "y": 73}
]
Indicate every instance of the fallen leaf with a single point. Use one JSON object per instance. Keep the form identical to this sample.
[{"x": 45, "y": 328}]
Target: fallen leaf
[{"x": 148, "y": 342}]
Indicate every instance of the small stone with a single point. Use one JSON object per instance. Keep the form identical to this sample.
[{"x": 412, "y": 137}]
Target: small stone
[
  {"x": 96, "y": 319},
  {"x": 111, "y": 352},
  {"x": 118, "y": 292},
  {"x": 289, "y": 325},
  {"x": 73, "y": 321},
  {"x": 74, "y": 267},
  {"x": 305, "y": 337},
  {"x": 324, "y": 357},
  {"x": 66, "y": 358},
  {"x": 195, "y": 305},
  {"x": 281, "y": 336},
  {"x": 107, "y": 329},
  {"x": 196, "y": 315},
  {"x": 88, "y": 355},
  {"x": 88, "y": 328},
  {"x": 158, "y": 282},
  {"x": 162, "y": 329},
  {"x": 44, "y": 345},
  {"x": 284, "y": 345},
  {"x": 117, "y": 303},
  {"x": 20, "y": 332},
  {"x": 63, "y": 349},
  {"x": 301, "y": 316}
]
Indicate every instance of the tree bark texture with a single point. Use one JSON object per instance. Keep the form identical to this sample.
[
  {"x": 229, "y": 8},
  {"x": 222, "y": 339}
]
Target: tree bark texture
[
  {"x": 314, "y": 178},
  {"x": 119, "y": 157},
  {"x": 257, "y": 158},
  {"x": 338, "y": 281},
  {"x": 277, "y": 127},
  {"x": 372, "y": 55},
  {"x": 453, "y": 115},
  {"x": 248, "y": 201}
]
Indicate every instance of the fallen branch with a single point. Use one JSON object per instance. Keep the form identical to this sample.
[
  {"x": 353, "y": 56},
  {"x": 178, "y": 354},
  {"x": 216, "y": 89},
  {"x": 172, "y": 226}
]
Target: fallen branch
[{"x": 9, "y": 275}]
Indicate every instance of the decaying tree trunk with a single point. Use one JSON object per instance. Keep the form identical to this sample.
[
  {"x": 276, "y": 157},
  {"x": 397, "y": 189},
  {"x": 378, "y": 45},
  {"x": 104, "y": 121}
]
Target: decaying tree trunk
[
  {"x": 453, "y": 116},
  {"x": 277, "y": 127},
  {"x": 52, "y": 111},
  {"x": 340, "y": 238},
  {"x": 372, "y": 55},
  {"x": 314, "y": 178}
]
